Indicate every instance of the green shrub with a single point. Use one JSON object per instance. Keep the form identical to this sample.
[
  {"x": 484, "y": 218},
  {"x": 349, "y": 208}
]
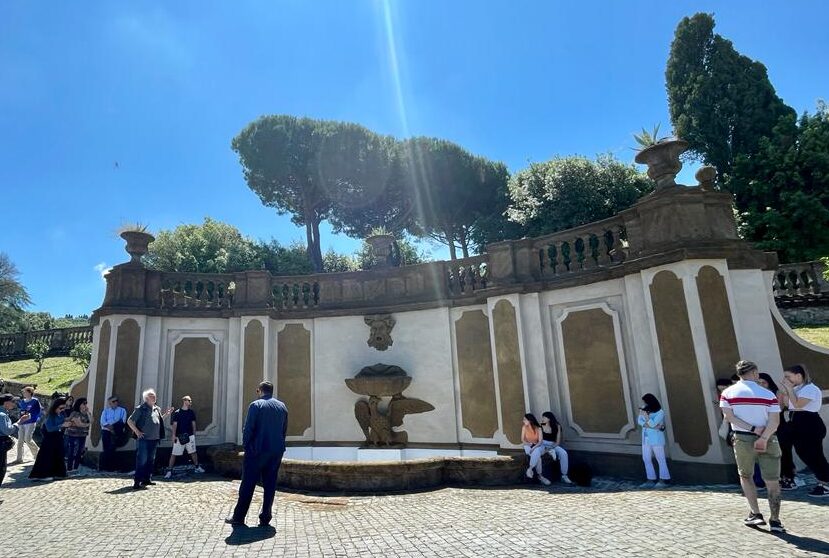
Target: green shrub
[
  {"x": 38, "y": 350},
  {"x": 81, "y": 354}
]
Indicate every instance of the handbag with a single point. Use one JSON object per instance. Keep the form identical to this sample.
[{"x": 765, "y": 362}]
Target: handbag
[{"x": 6, "y": 443}]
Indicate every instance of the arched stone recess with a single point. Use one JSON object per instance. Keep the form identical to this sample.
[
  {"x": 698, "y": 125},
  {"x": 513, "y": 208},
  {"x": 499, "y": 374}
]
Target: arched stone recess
[
  {"x": 100, "y": 378},
  {"x": 476, "y": 376},
  {"x": 592, "y": 359},
  {"x": 509, "y": 372},
  {"x": 253, "y": 358},
  {"x": 679, "y": 365},
  {"x": 195, "y": 371},
  {"x": 718, "y": 320},
  {"x": 294, "y": 383},
  {"x": 796, "y": 350}
]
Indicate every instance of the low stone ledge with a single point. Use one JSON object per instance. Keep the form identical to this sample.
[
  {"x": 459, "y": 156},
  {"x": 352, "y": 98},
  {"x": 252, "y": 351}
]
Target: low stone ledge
[{"x": 382, "y": 476}]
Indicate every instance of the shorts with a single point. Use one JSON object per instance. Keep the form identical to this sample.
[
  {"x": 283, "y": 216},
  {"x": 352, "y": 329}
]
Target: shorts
[
  {"x": 746, "y": 457},
  {"x": 190, "y": 446}
]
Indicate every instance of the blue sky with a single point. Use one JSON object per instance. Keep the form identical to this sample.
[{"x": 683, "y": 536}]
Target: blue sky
[{"x": 161, "y": 88}]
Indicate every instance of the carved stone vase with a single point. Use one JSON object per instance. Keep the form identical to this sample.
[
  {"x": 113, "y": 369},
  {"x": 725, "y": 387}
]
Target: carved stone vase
[
  {"x": 663, "y": 161},
  {"x": 381, "y": 246},
  {"x": 137, "y": 244}
]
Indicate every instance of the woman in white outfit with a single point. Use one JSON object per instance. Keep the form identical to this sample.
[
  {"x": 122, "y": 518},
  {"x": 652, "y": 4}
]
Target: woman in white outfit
[{"x": 652, "y": 421}]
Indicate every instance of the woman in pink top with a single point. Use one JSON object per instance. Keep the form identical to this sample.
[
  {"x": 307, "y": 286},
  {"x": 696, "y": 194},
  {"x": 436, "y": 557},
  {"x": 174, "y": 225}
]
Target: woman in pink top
[{"x": 532, "y": 438}]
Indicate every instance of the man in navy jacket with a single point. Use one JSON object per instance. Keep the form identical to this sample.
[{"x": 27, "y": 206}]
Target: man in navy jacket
[{"x": 264, "y": 441}]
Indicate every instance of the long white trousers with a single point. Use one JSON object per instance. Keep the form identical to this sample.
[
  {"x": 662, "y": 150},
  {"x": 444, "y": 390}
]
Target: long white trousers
[{"x": 648, "y": 453}]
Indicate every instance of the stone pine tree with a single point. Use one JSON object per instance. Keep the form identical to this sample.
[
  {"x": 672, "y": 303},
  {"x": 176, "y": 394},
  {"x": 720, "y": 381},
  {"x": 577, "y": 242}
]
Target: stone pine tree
[
  {"x": 721, "y": 102},
  {"x": 451, "y": 190}
]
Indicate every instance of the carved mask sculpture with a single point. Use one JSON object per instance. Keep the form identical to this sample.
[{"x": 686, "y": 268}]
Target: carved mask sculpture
[{"x": 380, "y": 335}]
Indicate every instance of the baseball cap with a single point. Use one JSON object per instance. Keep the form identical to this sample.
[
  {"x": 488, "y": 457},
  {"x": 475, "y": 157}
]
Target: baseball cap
[{"x": 8, "y": 397}]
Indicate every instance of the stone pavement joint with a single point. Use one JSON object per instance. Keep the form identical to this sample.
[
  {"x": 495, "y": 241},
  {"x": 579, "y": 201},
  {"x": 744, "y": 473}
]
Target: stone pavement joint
[{"x": 99, "y": 515}]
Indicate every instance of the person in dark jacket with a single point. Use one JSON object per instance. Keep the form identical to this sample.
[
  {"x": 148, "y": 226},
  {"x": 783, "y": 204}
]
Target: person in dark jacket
[{"x": 264, "y": 434}]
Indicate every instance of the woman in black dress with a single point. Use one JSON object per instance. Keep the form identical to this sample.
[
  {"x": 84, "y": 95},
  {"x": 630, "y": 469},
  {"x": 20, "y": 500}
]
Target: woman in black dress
[{"x": 50, "y": 462}]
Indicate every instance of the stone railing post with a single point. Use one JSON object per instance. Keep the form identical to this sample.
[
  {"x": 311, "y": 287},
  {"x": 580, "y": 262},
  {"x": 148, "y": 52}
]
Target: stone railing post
[
  {"x": 501, "y": 265},
  {"x": 257, "y": 290}
]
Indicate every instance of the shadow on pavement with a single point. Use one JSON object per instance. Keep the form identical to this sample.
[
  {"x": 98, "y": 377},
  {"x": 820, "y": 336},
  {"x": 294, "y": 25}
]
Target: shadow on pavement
[
  {"x": 247, "y": 535},
  {"x": 804, "y": 543}
]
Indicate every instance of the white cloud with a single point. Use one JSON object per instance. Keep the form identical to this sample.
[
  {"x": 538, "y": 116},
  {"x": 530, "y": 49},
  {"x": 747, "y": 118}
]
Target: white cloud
[{"x": 102, "y": 269}]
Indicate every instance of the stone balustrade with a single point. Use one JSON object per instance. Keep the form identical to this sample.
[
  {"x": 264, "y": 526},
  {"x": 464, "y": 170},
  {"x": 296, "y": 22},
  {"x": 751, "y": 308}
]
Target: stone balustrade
[
  {"x": 672, "y": 224},
  {"x": 13, "y": 345},
  {"x": 599, "y": 244},
  {"x": 800, "y": 279}
]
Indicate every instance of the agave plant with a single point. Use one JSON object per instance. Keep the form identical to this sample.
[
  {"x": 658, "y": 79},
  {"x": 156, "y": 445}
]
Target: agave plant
[
  {"x": 380, "y": 231},
  {"x": 647, "y": 139},
  {"x": 133, "y": 227}
]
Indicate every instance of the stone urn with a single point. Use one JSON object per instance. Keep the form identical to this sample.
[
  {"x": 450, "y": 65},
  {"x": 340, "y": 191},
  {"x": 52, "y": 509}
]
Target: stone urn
[
  {"x": 137, "y": 244},
  {"x": 379, "y": 380},
  {"x": 381, "y": 246},
  {"x": 663, "y": 161}
]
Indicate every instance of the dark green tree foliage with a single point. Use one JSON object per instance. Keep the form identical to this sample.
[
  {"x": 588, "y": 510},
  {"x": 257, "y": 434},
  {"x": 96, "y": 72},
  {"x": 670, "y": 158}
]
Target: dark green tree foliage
[
  {"x": 212, "y": 247},
  {"x": 280, "y": 259},
  {"x": 720, "y": 101},
  {"x": 451, "y": 190},
  {"x": 308, "y": 167},
  {"x": 13, "y": 296},
  {"x": 566, "y": 192},
  {"x": 786, "y": 187}
]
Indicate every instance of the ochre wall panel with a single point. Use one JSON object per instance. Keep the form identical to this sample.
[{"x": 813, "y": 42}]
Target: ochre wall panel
[
  {"x": 194, "y": 374},
  {"x": 594, "y": 374},
  {"x": 477, "y": 379},
  {"x": 510, "y": 378},
  {"x": 125, "y": 374},
  {"x": 792, "y": 352},
  {"x": 679, "y": 364},
  {"x": 719, "y": 327},
  {"x": 294, "y": 376},
  {"x": 101, "y": 365}
]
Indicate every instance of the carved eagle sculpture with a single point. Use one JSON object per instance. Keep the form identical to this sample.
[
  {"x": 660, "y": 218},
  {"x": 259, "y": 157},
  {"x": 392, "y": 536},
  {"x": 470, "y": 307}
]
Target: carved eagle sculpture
[{"x": 378, "y": 427}]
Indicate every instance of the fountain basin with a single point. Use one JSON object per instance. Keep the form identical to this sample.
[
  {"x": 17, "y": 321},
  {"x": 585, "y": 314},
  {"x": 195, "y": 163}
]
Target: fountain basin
[{"x": 384, "y": 475}]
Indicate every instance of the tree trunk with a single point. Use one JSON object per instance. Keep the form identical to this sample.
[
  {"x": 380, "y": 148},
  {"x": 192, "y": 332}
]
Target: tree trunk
[
  {"x": 312, "y": 231},
  {"x": 450, "y": 241},
  {"x": 464, "y": 242}
]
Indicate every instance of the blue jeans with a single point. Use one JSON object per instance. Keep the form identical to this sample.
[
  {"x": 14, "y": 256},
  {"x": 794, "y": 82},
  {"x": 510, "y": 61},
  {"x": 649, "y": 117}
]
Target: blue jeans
[
  {"x": 145, "y": 459},
  {"x": 74, "y": 451},
  {"x": 256, "y": 467}
]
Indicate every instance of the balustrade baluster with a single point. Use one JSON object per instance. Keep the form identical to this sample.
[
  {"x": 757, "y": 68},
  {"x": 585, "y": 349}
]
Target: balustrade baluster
[
  {"x": 567, "y": 254},
  {"x": 617, "y": 253},
  {"x": 605, "y": 242},
  {"x": 541, "y": 263},
  {"x": 553, "y": 254},
  {"x": 588, "y": 261}
]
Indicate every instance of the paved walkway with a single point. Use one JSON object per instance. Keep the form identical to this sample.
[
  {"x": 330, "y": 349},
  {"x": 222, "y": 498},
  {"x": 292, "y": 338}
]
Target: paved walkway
[{"x": 102, "y": 516}]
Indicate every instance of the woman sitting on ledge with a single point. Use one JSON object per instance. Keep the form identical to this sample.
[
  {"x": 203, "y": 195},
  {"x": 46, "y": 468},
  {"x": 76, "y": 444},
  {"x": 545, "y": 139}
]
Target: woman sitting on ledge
[
  {"x": 533, "y": 440},
  {"x": 551, "y": 432}
]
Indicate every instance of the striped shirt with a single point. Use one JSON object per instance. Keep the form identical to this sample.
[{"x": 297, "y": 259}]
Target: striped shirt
[{"x": 750, "y": 403}]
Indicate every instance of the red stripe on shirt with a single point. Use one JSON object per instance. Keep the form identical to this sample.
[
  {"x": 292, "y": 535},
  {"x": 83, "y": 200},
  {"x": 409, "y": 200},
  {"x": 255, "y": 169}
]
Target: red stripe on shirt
[{"x": 750, "y": 401}]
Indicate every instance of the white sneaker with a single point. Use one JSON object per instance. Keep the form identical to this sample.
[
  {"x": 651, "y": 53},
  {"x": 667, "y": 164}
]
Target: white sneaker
[
  {"x": 566, "y": 480},
  {"x": 168, "y": 475},
  {"x": 545, "y": 481},
  {"x": 198, "y": 469},
  {"x": 529, "y": 473}
]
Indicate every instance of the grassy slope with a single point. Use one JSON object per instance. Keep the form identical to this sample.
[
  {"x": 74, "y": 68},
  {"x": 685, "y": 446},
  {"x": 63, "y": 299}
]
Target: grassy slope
[
  {"x": 819, "y": 335},
  {"x": 57, "y": 373}
]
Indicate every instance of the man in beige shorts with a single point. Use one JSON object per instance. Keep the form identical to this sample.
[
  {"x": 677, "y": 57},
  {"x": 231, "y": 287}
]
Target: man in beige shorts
[{"x": 754, "y": 414}]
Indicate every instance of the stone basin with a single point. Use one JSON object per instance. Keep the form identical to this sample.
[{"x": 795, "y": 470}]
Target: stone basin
[{"x": 379, "y": 380}]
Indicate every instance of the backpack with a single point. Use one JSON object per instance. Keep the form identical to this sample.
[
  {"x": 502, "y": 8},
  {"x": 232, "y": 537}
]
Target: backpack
[{"x": 581, "y": 474}]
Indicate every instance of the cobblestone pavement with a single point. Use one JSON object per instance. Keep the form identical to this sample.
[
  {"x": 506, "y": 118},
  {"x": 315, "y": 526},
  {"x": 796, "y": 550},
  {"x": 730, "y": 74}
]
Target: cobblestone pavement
[{"x": 99, "y": 515}]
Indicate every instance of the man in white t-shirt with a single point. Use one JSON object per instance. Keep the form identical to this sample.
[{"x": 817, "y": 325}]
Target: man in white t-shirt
[{"x": 754, "y": 414}]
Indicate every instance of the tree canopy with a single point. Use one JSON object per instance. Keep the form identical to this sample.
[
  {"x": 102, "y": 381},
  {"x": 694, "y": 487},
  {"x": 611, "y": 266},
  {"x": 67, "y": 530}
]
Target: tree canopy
[
  {"x": 453, "y": 191},
  {"x": 721, "y": 102},
  {"x": 785, "y": 185},
  {"x": 566, "y": 192},
  {"x": 13, "y": 295},
  {"x": 725, "y": 106}
]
